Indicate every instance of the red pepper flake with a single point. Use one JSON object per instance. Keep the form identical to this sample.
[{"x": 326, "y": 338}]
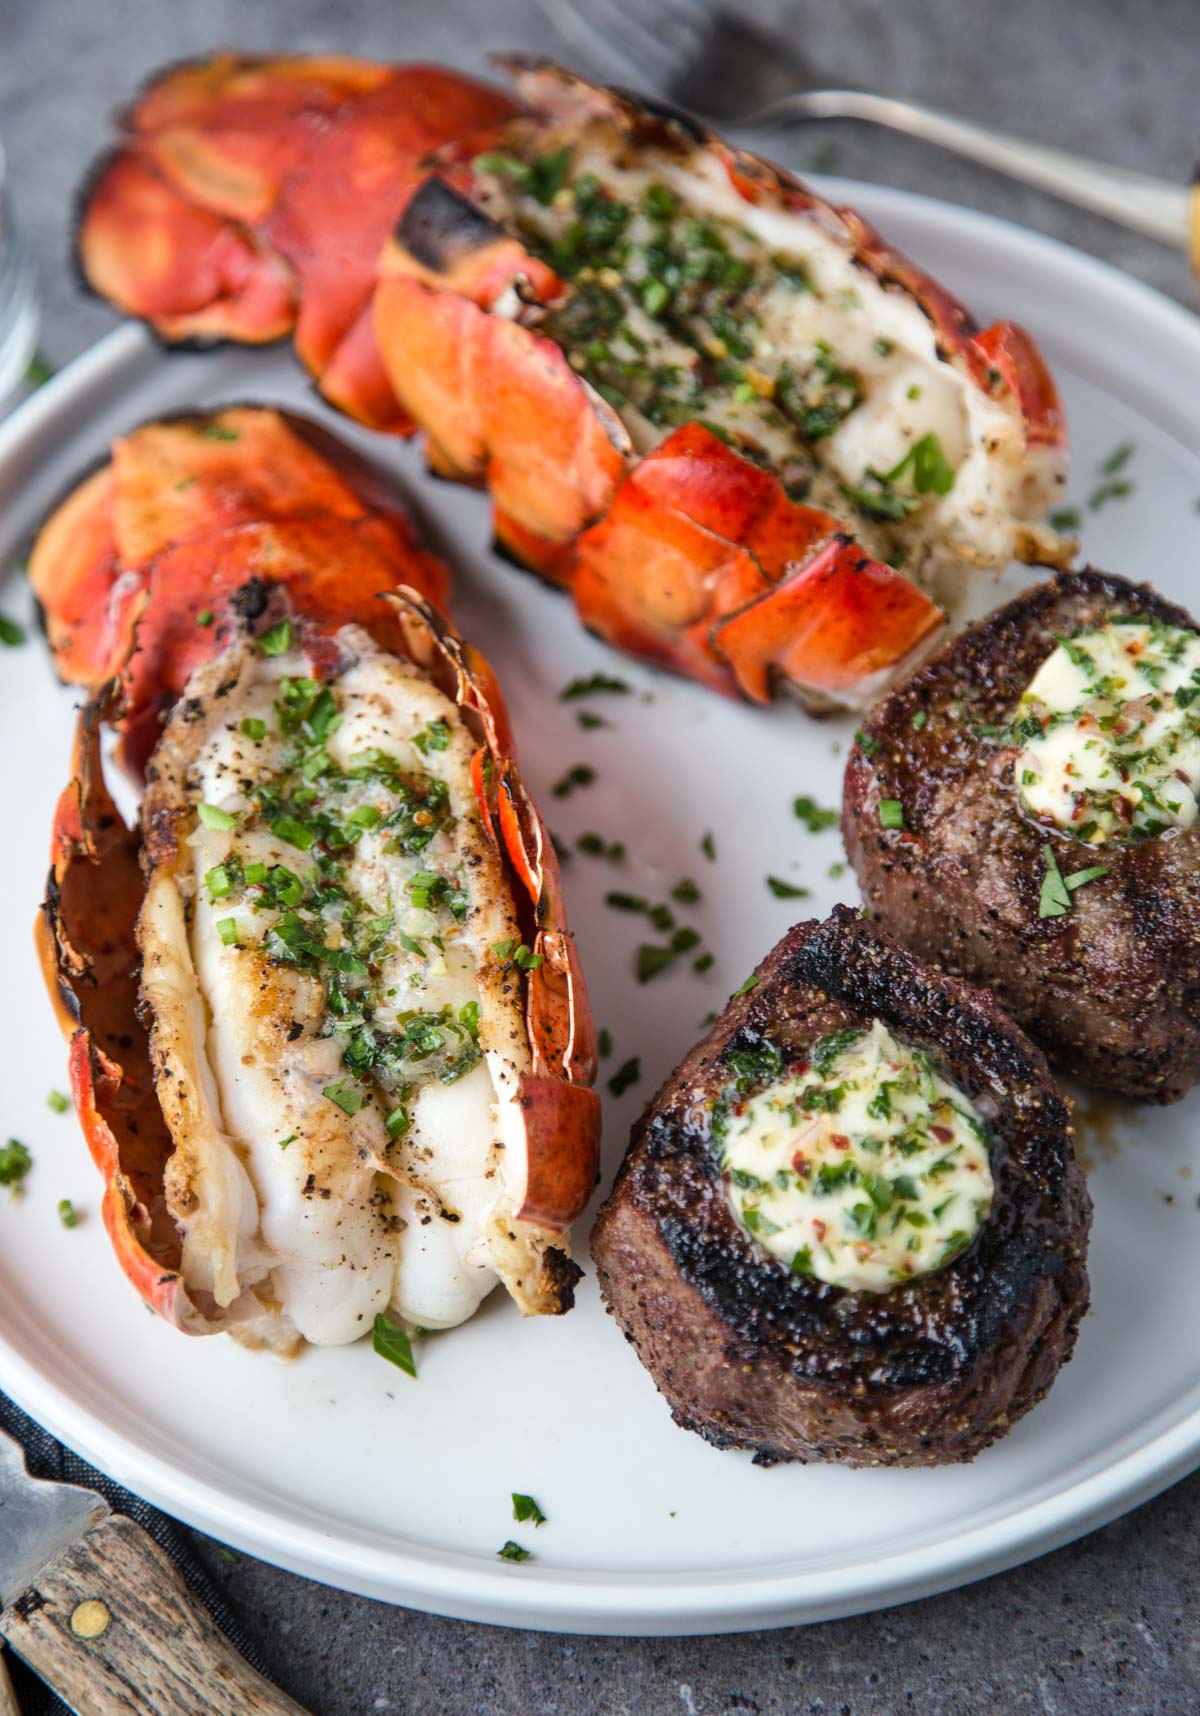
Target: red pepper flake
[
  {"x": 800, "y": 1162},
  {"x": 839, "y": 1141},
  {"x": 943, "y": 1134},
  {"x": 818, "y": 1231}
]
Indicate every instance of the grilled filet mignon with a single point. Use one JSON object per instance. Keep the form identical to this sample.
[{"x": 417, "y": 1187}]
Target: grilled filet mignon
[
  {"x": 752, "y": 1355},
  {"x": 1110, "y": 987}
]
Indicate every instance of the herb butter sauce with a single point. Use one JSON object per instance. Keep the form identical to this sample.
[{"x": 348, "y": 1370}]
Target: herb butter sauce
[
  {"x": 1110, "y": 733},
  {"x": 863, "y": 1166}
]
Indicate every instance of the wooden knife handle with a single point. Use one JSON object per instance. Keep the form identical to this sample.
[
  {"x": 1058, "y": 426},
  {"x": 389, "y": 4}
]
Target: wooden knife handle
[
  {"x": 111, "y": 1626},
  {"x": 8, "y": 1698}
]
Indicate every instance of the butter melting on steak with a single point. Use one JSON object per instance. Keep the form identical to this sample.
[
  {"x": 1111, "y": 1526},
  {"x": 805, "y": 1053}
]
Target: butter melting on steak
[{"x": 754, "y": 1354}]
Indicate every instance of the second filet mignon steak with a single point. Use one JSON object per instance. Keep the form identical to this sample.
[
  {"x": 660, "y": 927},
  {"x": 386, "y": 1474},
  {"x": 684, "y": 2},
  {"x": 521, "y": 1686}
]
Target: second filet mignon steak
[
  {"x": 755, "y": 1351},
  {"x": 1088, "y": 933}
]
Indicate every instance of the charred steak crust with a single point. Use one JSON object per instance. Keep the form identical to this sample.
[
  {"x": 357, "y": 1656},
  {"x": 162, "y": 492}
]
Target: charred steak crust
[
  {"x": 1112, "y": 989},
  {"x": 752, "y": 1356}
]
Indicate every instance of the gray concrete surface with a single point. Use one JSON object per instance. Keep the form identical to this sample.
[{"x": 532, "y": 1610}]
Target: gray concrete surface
[{"x": 1109, "y": 1624}]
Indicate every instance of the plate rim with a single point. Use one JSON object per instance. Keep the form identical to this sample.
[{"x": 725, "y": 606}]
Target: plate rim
[{"x": 576, "y": 1601}]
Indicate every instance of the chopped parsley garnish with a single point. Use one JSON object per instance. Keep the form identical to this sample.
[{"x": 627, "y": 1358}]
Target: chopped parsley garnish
[
  {"x": 651, "y": 960},
  {"x": 786, "y": 890},
  {"x": 525, "y": 1508},
  {"x": 1057, "y": 888},
  {"x": 290, "y": 1139},
  {"x": 345, "y": 1095},
  {"x": 1118, "y": 488},
  {"x": 592, "y": 686},
  {"x": 392, "y": 1343},
  {"x": 924, "y": 465},
  {"x": 38, "y": 372},
  {"x": 1067, "y": 518},
  {"x": 1117, "y": 458},
  {"x": 814, "y": 817},
  {"x": 580, "y": 775},
  {"x": 626, "y": 1074},
  {"x": 866, "y": 744},
  {"x": 277, "y": 639},
  {"x": 627, "y": 902},
  {"x": 15, "y": 1163}
]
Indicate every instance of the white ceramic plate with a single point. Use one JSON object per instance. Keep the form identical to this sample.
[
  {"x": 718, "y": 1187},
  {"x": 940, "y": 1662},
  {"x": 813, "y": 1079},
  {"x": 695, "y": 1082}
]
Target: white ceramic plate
[{"x": 337, "y": 1465}]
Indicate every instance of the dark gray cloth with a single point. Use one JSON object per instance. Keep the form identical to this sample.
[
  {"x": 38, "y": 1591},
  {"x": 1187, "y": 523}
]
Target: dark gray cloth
[{"x": 46, "y": 1458}]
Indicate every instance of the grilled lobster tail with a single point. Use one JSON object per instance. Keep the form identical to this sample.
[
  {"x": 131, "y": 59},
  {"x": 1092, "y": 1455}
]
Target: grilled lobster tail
[
  {"x": 338, "y": 866},
  {"x": 760, "y": 447}
]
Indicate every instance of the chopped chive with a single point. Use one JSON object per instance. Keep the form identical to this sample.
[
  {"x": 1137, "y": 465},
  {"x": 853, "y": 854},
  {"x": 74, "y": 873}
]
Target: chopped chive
[
  {"x": 866, "y": 744},
  {"x": 253, "y": 728},
  {"x": 204, "y": 617},
  {"x": 891, "y": 813},
  {"x": 392, "y": 1343},
  {"x": 66, "y": 1213},
  {"x": 290, "y": 1139},
  {"x": 219, "y": 432},
  {"x": 919, "y": 719},
  {"x": 213, "y": 817},
  {"x": 56, "y": 1101},
  {"x": 292, "y": 832},
  {"x": 397, "y": 1122},
  {"x": 747, "y": 986},
  {"x": 1119, "y": 456},
  {"x": 228, "y": 931}
]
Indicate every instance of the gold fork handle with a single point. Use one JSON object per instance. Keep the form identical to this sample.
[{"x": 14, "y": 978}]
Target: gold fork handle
[{"x": 1147, "y": 204}]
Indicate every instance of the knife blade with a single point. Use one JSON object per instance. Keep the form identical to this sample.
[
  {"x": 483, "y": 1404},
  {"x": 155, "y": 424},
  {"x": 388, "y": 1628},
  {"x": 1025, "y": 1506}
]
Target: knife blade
[
  {"x": 100, "y": 1612},
  {"x": 37, "y": 1520}
]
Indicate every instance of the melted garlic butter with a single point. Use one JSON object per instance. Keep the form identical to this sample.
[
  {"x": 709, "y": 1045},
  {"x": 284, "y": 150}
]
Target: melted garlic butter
[
  {"x": 866, "y": 1168},
  {"x": 1110, "y": 730},
  {"x": 688, "y": 302},
  {"x": 368, "y": 1127}
]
